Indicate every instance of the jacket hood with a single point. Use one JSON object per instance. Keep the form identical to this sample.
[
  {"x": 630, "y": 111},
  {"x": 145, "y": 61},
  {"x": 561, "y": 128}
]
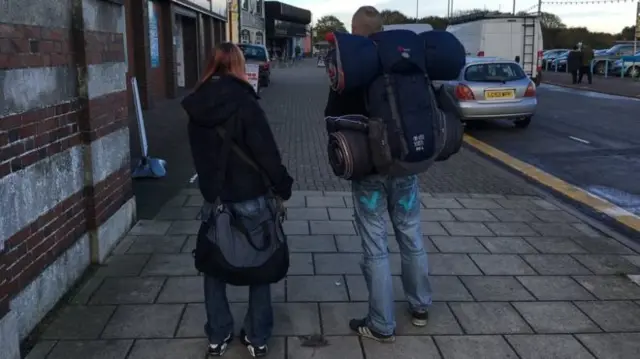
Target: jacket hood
[{"x": 217, "y": 100}]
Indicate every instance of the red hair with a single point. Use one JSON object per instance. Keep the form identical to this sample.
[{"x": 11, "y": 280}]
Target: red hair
[{"x": 227, "y": 59}]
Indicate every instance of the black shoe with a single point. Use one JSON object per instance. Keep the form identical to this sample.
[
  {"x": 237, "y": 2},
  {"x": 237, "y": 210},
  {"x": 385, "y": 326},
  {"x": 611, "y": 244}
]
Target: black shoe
[
  {"x": 419, "y": 319},
  {"x": 360, "y": 326},
  {"x": 255, "y": 351},
  {"x": 217, "y": 350}
]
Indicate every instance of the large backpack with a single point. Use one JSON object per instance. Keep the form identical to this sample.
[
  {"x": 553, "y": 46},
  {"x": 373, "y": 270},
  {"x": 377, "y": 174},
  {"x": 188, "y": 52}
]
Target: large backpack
[{"x": 407, "y": 129}]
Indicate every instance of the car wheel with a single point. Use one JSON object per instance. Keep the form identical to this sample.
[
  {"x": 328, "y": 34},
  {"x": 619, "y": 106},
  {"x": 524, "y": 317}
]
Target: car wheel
[
  {"x": 634, "y": 71},
  {"x": 522, "y": 122},
  {"x": 538, "y": 79},
  {"x": 599, "y": 68},
  {"x": 267, "y": 81}
]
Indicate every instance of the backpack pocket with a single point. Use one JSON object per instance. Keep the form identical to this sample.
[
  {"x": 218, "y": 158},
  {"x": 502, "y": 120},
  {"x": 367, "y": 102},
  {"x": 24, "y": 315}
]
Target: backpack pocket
[{"x": 379, "y": 145}]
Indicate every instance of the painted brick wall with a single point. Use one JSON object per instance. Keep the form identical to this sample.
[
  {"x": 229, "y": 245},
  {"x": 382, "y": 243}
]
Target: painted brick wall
[{"x": 64, "y": 146}]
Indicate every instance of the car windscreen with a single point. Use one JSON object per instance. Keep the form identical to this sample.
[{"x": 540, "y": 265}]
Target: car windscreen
[
  {"x": 253, "y": 52},
  {"x": 494, "y": 72}
]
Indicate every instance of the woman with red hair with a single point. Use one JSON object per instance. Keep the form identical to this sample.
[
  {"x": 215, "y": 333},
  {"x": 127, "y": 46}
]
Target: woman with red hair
[{"x": 223, "y": 99}]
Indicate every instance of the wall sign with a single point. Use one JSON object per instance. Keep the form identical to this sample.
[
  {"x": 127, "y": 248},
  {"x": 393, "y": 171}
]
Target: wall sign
[{"x": 154, "y": 41}]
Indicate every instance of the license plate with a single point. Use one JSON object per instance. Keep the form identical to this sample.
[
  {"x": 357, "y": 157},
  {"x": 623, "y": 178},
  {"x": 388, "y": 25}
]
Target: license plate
[{"x": 499, "y": 94}]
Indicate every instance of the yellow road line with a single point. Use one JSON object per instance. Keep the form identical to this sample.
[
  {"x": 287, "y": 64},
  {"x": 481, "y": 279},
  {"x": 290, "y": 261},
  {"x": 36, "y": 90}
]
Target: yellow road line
[{"x": 577, "y": 194}]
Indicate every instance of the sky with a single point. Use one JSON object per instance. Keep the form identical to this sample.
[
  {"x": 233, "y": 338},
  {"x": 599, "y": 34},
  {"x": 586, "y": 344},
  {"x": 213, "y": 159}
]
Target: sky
[{"x": 605, "y": 17}]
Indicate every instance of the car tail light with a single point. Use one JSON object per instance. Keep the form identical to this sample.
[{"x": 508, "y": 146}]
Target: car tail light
[
  {"x": 531, "y": 90},
  {"x": 539, "y": 63},
  {"x": 464, "y": 93},
  {"x": 480, "y": 53}
]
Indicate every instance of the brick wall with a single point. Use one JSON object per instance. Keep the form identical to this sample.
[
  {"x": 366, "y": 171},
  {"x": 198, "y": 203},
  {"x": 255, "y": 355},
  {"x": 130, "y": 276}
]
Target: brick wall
[{"x": 64, "y": 155}]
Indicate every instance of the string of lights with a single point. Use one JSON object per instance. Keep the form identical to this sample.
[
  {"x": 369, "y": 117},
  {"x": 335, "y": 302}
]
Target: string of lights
[{"x": 586, "y": 2}]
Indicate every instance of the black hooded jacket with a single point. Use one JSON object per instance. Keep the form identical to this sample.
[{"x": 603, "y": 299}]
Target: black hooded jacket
[{"x": 232, "y": 104}]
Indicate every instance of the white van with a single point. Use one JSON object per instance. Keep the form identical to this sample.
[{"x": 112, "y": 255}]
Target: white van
[
  {"x": 417, "y": 28},
  {"x": 511, "y": 37}
]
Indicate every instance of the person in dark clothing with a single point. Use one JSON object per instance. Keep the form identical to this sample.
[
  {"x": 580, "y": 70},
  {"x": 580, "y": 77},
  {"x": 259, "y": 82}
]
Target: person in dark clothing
[
  {"x": 225, "y": 99},
  {"x": 587, "y": 56},
  {"x": 574, "y": 62}
]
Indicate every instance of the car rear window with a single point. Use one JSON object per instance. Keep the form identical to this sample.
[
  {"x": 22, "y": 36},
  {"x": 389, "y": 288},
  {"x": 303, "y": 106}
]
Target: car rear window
[
  {"x": 254, "y": 52},
  {"x": 494, "y": 72}
]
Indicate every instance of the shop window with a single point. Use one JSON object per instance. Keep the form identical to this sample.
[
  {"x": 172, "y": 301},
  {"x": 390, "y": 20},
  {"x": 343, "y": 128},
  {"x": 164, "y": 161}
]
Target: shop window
[
  {"x": 245, "y": 4},
  {"x": 259, "y": 8},
  {"x": 259, "y": 38},
  {"x": 245, "y": 37}
]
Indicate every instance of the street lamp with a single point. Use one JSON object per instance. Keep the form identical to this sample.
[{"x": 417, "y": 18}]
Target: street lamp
[{"x": 417, "y": 3}]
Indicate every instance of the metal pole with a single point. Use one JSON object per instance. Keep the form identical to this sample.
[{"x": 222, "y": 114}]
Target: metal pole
[
  {"x": 514, "y": 7},
  {"x": 417, "y": 3},
  {"x": 539, "y": 7}
]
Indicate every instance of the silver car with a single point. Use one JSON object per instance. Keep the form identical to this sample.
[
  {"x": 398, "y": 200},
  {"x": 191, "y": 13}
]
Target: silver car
[{"x": 494, "y": 88}]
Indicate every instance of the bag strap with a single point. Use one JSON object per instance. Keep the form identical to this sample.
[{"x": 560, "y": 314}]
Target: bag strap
[
  {"x": 227, "y": 145},
  {"x": 238, "y": 151}
]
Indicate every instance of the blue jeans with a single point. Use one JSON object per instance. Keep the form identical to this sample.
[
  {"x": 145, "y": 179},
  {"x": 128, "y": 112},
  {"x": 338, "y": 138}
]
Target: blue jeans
[
  {"x": 400, "y": 197},
  {"x": 258, "y": 322}
]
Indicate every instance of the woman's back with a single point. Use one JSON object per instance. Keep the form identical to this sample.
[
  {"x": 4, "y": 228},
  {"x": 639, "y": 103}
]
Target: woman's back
[{"x": 225, "y": 101}]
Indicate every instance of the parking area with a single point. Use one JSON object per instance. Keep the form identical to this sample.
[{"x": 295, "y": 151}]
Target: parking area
[{"x": 610, "y": 85}]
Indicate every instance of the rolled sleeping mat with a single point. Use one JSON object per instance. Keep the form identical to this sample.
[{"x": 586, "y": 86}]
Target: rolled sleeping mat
[
  {"x": 349, "y": 155},
  {"x": 399, "y": 51},
  {"x": 445, "y": 55}
]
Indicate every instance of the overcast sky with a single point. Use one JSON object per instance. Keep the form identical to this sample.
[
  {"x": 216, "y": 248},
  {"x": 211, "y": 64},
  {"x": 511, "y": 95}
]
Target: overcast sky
[{"x": 597, "y": 17}]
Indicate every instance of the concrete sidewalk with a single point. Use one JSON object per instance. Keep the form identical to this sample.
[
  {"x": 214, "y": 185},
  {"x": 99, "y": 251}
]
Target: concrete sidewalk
[{"x": 513, "y": 277}]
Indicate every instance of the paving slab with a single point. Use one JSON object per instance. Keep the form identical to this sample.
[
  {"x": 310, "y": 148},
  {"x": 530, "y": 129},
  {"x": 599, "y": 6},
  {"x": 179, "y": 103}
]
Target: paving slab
[
  {"x": 555, "y": 317},
  {"x": 452, "y": 244},
  {"x": 473, "y": 347},
  {"x": 143, "y": 321},
  {"x": 128, "y": 290},
  {"x": 156, "y": 244},
  {"x": 316, "y": 289},
  {"x": 405, "y": 347},
  {"x": 502, "y": 264},
  {"x": 489, "y": 318},
  {"x": 557, "y": 346},
  {"x": 612, "y": 346},
  {"x": 613, "y": 316},
  {"x": 339, "y": 347},
  {"x": 496, "y": 288},
  {"x": 551, "y": 288},
  {"x": 507, "y": 245},
  {"x": 79, "y": 322},
  {"x": 610, "y": 287},
  {"x": 94, "y": 349},
  {"x": 555, "y": 264}
]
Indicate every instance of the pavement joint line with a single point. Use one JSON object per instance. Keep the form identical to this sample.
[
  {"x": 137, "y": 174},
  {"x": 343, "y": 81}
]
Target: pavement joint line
[{"x": 598, "y": 204}]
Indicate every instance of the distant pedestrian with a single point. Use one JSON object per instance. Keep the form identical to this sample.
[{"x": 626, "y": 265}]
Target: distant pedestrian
[
  {"x": 586, "y": 57},
  {"x": 574, "y": 63}
]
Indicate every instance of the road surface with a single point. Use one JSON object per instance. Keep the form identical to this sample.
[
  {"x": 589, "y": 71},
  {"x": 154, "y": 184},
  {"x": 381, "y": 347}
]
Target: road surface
[{"x": 589, "y": 139}]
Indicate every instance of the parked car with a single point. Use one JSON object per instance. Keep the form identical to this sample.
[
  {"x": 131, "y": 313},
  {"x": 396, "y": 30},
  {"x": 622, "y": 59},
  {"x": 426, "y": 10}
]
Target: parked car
[
  {"x": 494, "y": 88},
  {"x": 610, "y": 56},
  {"x": 550, "y": 55},
  {"x": 560, "y": 62},
  {"x": 258, "y": 54},
  {"x": 629, "y": 68}
]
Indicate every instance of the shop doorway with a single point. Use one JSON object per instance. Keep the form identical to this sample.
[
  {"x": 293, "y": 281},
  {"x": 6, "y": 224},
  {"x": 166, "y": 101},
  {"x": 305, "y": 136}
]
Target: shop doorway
[{"x": 186, "y": 43}]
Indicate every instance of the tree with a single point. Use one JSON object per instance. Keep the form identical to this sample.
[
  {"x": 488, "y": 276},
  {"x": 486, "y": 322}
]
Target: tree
[
  {"x": 390, "y": 17},
  {"x": 551, "y": 21},
  {"x": 325, "y": 25}
]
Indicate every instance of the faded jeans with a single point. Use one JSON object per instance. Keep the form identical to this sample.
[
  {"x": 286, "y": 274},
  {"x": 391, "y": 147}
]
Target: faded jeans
[
  {"x": 372, "y": 198},
  {"x": 258, "y": 322}
]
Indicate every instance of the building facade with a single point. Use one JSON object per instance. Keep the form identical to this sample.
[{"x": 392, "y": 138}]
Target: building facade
[
  {"x": 170, "y": 43},
  {"x": 65, "y": 184},
  {"x": 252, "y": 22},
  {"x": 286, "y": 27}
]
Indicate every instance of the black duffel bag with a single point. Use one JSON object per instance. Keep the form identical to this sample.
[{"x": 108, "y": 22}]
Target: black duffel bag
[{"x": 237, "y": 250}]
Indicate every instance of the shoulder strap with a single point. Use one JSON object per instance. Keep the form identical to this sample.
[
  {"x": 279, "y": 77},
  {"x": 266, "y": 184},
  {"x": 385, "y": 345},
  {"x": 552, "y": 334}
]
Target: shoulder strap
[{"x": 222, "y": 132}]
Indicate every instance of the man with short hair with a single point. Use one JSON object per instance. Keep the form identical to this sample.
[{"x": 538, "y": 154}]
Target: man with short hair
[{"x": 373, "y": 198}]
